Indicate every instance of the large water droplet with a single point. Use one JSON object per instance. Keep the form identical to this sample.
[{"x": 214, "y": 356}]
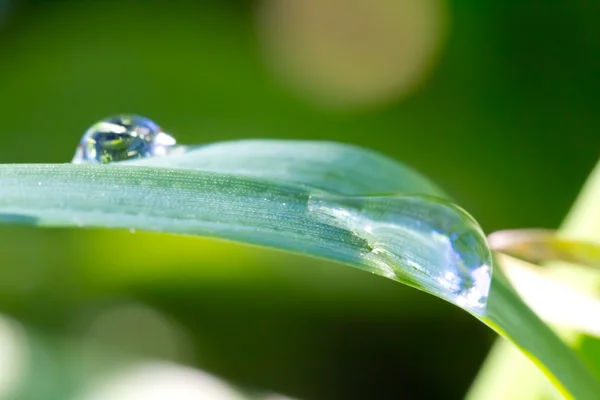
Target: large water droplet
[
  {"x": 425, "y": 242},
  {"x": 123, "y": 137}
]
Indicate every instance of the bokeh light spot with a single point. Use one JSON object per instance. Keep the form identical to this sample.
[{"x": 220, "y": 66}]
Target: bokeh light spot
[
  {"x": 142, "y": 330},
  {"x": 13, "y": 356},
  {"x": 352, "y": 53},
  {"x": 157, "y": 380}
]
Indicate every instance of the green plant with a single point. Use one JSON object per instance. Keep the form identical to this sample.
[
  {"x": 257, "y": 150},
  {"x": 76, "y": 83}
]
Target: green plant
[{"x": 258, "y": 192}]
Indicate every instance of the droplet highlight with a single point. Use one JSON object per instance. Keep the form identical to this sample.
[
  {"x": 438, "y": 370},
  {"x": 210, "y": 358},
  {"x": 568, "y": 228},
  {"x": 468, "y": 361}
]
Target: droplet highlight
[
  {"x": 425, "y": 242},
  {"x": 120, "y": 138}
]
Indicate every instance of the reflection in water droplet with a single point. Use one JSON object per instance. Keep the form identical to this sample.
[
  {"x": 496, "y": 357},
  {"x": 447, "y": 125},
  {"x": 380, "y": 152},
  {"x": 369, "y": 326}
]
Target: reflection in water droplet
[
  {"x": 120, "y": 138},
  {"x": 425, "y": 242}
]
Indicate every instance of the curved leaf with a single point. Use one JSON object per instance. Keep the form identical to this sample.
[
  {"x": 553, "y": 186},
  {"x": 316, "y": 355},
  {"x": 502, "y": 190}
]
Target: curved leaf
[{"x": 321, "y": 199}]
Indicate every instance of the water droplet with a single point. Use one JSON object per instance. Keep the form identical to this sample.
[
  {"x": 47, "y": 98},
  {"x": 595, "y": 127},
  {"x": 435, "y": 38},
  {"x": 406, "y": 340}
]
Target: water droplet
[
  {"x": 425, "y": 242},
  {"x": 123, "y": 137}
]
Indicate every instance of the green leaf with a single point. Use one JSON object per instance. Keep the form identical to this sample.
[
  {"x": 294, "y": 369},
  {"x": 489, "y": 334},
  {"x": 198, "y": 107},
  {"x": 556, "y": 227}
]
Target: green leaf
[
  {"x": 505, "y": 373},
  {"x": 322, "y": 199}
]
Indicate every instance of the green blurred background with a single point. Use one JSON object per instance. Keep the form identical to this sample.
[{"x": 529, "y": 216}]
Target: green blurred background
[{"x": 496, "y": 101}]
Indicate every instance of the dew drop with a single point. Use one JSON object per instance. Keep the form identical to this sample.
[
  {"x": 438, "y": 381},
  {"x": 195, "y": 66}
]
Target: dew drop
[
  {"x": 425, "y": 242},
  {"x": 120, "y": 138}
]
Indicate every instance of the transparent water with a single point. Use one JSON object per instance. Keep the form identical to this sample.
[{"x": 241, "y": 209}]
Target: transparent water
[
  {"x": 120, "y": 138},
  {"x": 426, "y": 242}
]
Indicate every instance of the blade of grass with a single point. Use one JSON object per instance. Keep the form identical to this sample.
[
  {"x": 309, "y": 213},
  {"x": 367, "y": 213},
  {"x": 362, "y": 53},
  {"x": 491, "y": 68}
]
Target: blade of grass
[
  {"x": 256, "y": 192},
  {"x": 506, "y": 373}
]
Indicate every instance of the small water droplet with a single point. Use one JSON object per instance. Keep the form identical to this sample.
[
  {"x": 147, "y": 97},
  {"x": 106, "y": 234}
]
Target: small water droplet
[
  {"x": 425, "y": 242},
  {"x": 123, "y": 137}
]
